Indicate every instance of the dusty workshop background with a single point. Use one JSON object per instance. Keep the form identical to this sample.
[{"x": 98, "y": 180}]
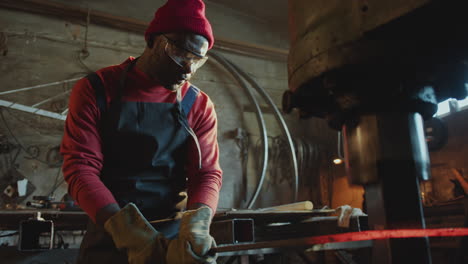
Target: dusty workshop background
[
  {"x": 41, "y": 49},
  {"x": 38, "y": 49}
]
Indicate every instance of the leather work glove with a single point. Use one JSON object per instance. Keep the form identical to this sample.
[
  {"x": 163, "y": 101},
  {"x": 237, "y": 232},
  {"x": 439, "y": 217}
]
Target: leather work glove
[
  {"x": 194, "y": 241},
  {"x": 132, "y": 232}
]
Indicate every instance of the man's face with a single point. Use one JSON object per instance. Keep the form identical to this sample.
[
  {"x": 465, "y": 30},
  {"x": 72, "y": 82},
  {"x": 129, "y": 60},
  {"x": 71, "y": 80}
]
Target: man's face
[{"x": 176, "y": 57}]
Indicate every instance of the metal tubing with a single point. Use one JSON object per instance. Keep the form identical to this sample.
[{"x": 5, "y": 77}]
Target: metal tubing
[
  {"x": 233, "y": 231},
  {"x": 32, "y": 110},
  {"x": 39, "y": 86},
  {"x": 346, "y": 240},
  {"x": 281, "y": 122},
  {"x": 261, "y": 124},
  {"x": 50, "y": 99}
]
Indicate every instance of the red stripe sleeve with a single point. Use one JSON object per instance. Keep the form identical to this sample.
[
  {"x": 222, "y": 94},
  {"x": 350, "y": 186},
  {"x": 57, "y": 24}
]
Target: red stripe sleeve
[
  {"x": 81, "y": 151},
  {"x": 204, "y": 184}
]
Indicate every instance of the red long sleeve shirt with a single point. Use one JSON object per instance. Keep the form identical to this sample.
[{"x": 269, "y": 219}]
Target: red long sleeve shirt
[{"x": 81, "y": 144}]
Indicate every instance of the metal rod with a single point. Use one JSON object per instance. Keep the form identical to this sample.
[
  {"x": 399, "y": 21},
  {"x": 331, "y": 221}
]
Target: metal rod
[
  {"x": 50, "y": 99},
  {"x": 282, "y": 123},
  {"x": 39, "y": 86},
  {"x": 346, "y": 237},
  {"x": 32, "y": 110},
  {"x": 261, "y": 123}
]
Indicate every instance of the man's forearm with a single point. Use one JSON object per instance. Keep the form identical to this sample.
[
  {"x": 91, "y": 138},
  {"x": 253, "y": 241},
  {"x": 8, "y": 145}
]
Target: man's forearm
[
  {"x": 105, "y": 213},
  {"x": 196, "y": 206}
]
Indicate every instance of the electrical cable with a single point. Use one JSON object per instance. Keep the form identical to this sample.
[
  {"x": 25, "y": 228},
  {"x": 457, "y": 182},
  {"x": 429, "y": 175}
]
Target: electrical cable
[
  {"x": 85, "y": 47},
  {"x": 56, "y": 183},
  {"x": 66, "y": 87},
  {"x": 13, "y": 160},
  {"x": 80, "y": 60},
  {"x": 3, "y": 43},
  {"x": 18, "y": 143},
  {"x": 8, "y": 158},
  {"x": 26, "y": 123},
  {"x": 84, "y": 52}
]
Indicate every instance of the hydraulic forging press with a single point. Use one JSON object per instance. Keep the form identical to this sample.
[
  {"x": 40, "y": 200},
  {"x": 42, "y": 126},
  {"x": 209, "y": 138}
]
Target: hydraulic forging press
[{"x": 375, "y": 69}]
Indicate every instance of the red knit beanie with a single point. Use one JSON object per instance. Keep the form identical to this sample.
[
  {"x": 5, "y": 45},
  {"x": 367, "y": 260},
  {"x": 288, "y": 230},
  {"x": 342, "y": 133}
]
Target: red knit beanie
[{"x": 179, "y": 16}]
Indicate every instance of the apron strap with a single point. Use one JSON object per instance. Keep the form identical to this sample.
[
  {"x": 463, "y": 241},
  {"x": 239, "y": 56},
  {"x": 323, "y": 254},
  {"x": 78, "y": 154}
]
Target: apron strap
[
  {"x": 183, "y": 108},
  {"x": 123, "y": 81},
  {"x": 101, "y": 102},
  {"x": 99, "y": 91},
  {"x": 189, "y": 99}
]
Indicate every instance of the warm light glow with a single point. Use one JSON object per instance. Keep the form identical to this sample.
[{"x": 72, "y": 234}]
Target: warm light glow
[
  {"x": 386, "y": 234},
  {"x": 337, "y": 161}
]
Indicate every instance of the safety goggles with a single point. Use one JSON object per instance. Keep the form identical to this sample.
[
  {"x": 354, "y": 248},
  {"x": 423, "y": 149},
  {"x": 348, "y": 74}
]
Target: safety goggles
[{"x": 182, "y": 56}]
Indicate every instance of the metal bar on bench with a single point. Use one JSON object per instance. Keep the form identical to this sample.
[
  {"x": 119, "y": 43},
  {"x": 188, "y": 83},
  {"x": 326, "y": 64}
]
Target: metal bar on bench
[{"x": 233, "y": 231}]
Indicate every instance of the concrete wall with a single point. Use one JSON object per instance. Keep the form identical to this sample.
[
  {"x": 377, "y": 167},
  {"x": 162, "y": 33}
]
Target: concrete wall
[
  {"x": 226, "y": 22},
  {"x": 43, "y": 50}
]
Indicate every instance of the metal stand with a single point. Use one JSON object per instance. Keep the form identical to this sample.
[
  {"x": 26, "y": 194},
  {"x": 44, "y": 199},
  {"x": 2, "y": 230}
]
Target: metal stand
[{"x": 387, "y": 154}]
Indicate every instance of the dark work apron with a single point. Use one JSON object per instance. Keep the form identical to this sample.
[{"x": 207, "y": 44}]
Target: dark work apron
[{"x": 144, "y": 147}]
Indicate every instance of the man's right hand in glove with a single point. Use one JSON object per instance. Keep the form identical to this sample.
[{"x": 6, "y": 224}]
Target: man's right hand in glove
[
  {"x": 130, "y": 231},
  {"x": 193, "y": 244}
]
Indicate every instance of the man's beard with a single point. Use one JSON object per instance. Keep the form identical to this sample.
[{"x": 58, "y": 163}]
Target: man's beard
[{"x": 175, "y": 87}]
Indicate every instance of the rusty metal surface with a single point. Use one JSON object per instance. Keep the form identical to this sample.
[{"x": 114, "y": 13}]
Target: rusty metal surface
[
  {"x": 340, "y": 65},
  {"x": 318, "y": 27}
]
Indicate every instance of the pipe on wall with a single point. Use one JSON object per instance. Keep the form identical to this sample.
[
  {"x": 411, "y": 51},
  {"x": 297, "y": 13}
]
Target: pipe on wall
[
  {"x": 281, "y": 122},
  {"x": 238, "y": 73},
  {"x": 260, "y": 120}
]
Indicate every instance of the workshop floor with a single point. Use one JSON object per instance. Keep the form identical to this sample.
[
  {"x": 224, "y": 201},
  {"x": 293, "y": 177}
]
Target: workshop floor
[{"x": 10, "y": 255}]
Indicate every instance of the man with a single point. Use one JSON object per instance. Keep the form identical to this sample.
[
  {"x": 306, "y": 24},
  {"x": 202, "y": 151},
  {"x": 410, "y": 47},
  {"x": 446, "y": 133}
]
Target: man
[{"x": 137, "y": 135}]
